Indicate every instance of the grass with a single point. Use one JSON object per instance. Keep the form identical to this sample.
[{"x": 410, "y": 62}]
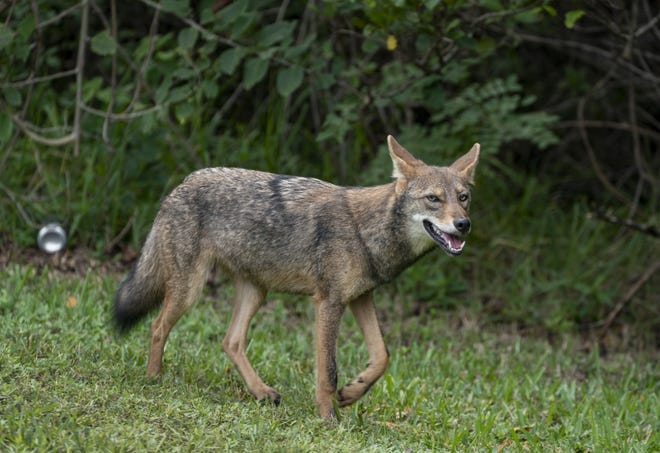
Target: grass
[{"x": 67, "y": 382}]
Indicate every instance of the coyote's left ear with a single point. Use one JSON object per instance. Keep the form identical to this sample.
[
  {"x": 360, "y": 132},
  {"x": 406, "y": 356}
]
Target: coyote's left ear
[
  {"x": 404, "y": 163},
  {"x": 466, "y": 164}
]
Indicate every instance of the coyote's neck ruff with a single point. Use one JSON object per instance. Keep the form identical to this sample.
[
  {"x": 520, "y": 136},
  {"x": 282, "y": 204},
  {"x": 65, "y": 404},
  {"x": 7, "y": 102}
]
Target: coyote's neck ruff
[{"x": 296, "y": 234}]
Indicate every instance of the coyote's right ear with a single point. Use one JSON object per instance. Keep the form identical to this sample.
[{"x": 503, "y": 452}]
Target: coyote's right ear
[
  {"x": 404, "y": 162},
  {"x": 466, "y": 164}
]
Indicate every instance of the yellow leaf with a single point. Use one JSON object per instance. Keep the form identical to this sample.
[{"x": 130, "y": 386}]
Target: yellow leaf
[
  {"x": 391, "y": 43},
  {"x": 71, "y": 302}
]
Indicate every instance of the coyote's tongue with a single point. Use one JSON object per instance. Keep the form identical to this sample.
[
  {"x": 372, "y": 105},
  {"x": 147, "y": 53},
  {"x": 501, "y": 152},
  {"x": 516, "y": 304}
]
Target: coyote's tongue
[
  {"x": 453, "y": 241},
  {"x": 449, "y": 243}
]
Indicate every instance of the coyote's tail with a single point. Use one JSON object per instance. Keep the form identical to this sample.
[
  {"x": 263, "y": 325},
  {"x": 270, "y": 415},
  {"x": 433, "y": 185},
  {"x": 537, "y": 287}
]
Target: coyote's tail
[{"x": 141, "y": 291}]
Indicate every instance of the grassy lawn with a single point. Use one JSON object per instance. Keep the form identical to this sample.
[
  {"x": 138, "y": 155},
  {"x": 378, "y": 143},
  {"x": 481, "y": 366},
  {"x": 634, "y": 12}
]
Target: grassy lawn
[{"x": 67, "y": 382}]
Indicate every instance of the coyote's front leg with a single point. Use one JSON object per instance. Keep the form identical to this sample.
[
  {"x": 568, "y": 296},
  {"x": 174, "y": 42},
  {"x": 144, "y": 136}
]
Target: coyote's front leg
[
  {"x": 365, "y": 314},
  {"x": 328, "y": 315}
]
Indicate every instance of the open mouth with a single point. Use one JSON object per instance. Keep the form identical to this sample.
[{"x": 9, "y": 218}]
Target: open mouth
[{"x": 448, "y": 242}]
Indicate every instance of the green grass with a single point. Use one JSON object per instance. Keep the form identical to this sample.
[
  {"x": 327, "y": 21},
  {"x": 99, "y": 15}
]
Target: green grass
[{"x": 67, "y": 382}]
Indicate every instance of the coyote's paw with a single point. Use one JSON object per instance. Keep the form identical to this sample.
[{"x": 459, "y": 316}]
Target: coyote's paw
[
  {"x": 328, "y": 413},
  {"x": 267, "y": 394},
  {"x": 351, "y": 392}
]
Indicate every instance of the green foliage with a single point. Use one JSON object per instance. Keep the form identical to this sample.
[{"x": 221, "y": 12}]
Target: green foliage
[
  {"x": 306, "y": 90},
  {"x": 572, "y": 17},
  {"x": 493, "y": 111},
  {"x": 289, "y": 79},
  {"x": 103, "y": 44},
  {"x": 313, "y": 89},
  {"x": 68, "y": 383}
]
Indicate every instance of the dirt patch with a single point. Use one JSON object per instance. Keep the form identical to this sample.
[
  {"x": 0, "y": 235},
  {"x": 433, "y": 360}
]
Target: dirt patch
[{"x": 75, "y": 261}]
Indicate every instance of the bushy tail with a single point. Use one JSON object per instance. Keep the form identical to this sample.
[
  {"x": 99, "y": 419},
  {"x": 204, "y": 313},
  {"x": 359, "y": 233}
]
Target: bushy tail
[{"x": 141, "y": 291}]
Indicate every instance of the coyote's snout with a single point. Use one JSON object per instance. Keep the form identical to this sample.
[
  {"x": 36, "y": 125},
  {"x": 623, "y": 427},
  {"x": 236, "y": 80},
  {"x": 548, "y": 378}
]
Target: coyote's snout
[{"x": 301, "y": 235}]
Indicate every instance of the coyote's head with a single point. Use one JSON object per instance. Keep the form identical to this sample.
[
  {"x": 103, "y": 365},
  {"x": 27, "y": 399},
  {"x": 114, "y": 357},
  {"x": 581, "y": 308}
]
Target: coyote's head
[{"x": 434, "y": 200}]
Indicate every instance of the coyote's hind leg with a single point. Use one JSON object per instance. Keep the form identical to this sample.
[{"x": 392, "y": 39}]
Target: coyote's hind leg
[
  {"x": 179, "y": 298},
  {"x": 248, "y": 299}
]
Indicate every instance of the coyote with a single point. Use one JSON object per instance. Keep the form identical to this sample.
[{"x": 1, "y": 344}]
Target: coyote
[{"x": 298, "y": 235}]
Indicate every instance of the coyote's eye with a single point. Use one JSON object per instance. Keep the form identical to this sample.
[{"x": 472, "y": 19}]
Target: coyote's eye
[
  {"x": 463, "y": 197},
  {"x": 433, "y": 198}
]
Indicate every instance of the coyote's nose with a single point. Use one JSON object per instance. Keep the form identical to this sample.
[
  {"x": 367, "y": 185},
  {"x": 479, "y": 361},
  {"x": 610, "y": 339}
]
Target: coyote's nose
[{"x": 462, "y": 225}]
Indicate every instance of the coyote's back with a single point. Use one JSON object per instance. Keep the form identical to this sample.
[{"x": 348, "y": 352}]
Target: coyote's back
[{"x": 295, "y": 234}]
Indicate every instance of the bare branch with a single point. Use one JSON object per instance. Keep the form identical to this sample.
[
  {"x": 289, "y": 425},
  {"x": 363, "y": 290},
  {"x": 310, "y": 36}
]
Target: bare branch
[
  {"x": 504, "y": 13},
  {"x": 191, "y": 23},
  {"x": 232, "y": 99},
  {"x": 19, "y": 207},
  {"x": 113, "y": 243},
  {"x": 653, "y": 135},
  {"x": 27, "y": 130},
  {"x": 153, "y": 30},
  {"x": 649, "y": 25},
  {"x": 35, "y": 80},
  {"x": 59, "y": 16},
  {"x": 127, "y": 116},
  {"x": 589, "y": 49},
  {"x": 80, "y": 64},
  {"x": 592, "y": 157},
  {"x": 651, "y": 230},
  {"x": 628, "y": 296},
  {"x": 113, "y": 76}
]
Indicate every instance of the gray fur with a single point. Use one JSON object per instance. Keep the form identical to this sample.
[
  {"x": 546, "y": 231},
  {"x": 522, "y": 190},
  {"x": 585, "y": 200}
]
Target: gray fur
[{"x": 300, "y": 235}]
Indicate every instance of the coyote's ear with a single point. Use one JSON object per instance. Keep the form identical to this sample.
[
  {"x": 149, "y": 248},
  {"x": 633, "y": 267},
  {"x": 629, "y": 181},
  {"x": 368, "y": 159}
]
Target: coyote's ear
[
  {"x": 404, "y": 163},
  {"x": 466, "y": 164}
]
